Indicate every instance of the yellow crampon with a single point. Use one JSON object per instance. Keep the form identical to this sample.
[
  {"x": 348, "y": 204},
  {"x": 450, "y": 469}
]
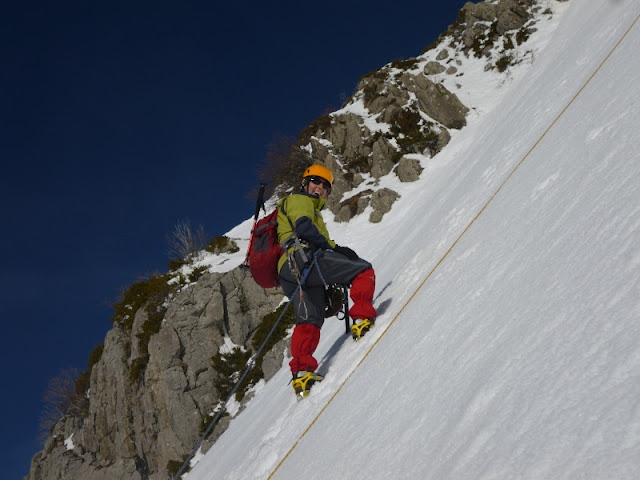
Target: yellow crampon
[
  {"x": 303, "y": 381},
  {"x": 358, "y": 330}
]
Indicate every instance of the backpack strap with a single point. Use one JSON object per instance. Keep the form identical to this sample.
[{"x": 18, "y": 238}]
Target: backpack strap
[{"x": 293, "y": 236}]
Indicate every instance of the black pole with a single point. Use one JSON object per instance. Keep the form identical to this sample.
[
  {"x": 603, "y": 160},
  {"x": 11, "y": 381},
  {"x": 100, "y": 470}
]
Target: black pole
[
  {"x": 260, "y": 201},
  {"x": 345, "y": 299},
  {"x": 259, "y": 205}
]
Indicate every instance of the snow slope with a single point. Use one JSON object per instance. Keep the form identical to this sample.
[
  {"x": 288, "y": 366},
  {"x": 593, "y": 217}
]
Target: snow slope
[{"x": 508, "y": 341}]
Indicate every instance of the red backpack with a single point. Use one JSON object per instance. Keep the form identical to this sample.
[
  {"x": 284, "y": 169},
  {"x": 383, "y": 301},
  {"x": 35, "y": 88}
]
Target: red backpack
[{"x": 265, "y": 251}]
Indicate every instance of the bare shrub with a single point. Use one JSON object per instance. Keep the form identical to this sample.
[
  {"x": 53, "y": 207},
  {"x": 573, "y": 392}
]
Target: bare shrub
[
  {"x": 283, "y": 165},
  {"x": 184, "y": 242},
  {"x": 61, "y": 397},
  {"x": 318, "y": 126}
]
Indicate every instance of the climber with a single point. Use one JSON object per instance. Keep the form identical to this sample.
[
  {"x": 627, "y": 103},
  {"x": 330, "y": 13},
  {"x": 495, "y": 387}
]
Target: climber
[{"x": 304, "y": 233}]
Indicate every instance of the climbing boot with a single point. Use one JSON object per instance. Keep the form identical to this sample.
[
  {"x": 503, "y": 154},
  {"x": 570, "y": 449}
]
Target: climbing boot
[
  {"x": 303, "y": 381},
  {"x": 358, "y": 330}
]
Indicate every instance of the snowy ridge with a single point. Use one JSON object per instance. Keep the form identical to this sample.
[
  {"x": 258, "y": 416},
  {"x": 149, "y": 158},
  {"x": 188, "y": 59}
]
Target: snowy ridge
[{"x": 520, "y": 356}]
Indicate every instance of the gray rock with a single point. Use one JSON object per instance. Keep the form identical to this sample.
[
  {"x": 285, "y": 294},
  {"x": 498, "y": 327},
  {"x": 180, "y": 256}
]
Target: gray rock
[
  {"x": 508, "y": 15},
  {"x": 433, "y": 68},
  {"x": 436, "y": 101},
  {"x": 272, "y": 361},
  {"x": 443, "y": 55},
  {"x": 384, "y": 96},
  {"x": 346, "y": 134},
  {"x": 381, "y": 163},
  {"x": 408, "y": 170},
  {"x": 381, "y": 201}
]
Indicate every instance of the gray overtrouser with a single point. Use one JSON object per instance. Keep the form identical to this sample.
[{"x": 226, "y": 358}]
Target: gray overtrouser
[{"x": 332, "y": 267}]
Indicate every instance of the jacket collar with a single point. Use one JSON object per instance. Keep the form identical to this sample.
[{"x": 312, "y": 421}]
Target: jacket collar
[{"x": 318, "y": 201}]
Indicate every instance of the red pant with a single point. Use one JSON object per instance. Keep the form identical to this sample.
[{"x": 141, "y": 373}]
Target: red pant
[
  {"x": 362, "y": 289},
  {"x": 306, "y": 336}
]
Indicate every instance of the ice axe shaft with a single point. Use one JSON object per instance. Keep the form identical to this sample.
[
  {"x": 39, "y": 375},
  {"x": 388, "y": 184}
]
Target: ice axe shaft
[{"x": 259, "y": 205}]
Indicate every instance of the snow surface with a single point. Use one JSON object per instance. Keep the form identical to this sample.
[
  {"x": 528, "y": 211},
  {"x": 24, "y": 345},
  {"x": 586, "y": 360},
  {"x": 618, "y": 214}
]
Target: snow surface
[{"x": 508, "y": 341}]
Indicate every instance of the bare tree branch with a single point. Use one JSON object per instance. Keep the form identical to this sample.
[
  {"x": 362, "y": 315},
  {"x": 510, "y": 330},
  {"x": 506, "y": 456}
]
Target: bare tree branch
[
  {"x": 60, "y": 398},
  {"x": 184, "y": 241}
]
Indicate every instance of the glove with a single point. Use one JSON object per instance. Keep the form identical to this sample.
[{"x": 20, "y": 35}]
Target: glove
[{"x": 347, "y": 252}]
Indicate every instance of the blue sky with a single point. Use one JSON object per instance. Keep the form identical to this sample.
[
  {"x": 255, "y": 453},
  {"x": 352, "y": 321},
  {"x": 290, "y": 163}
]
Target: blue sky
[{"x": 118, "y": 119}]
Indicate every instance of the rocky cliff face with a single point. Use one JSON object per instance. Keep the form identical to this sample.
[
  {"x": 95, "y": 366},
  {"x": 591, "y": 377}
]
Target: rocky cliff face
[
  {"x": 154, "y": 386},
  {"x": 404, "y": 108},
  {"x": 133, "y": 428}
]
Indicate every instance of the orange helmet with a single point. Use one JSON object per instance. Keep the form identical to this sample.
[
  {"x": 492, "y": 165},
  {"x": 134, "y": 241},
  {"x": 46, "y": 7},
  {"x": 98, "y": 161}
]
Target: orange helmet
[{"x": 318, "y": 171}]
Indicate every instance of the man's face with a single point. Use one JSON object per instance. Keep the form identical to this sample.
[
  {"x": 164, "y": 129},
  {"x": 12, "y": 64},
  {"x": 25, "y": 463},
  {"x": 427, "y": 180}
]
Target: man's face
[{"x": 317, "y": 186}]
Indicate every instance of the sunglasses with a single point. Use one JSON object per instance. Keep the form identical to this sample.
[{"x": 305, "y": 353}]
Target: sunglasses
[{"x": 320, "y": 181}]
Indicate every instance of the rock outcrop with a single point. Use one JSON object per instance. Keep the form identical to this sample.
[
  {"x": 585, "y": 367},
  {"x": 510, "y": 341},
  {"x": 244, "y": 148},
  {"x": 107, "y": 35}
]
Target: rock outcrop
[
  {"x": 404, "y": 108},
  {"x": 134, "y": 427}
]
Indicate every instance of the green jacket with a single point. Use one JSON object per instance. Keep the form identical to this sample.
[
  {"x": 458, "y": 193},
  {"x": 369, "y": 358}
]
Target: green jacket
[{"x": 302, "y": 211}]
